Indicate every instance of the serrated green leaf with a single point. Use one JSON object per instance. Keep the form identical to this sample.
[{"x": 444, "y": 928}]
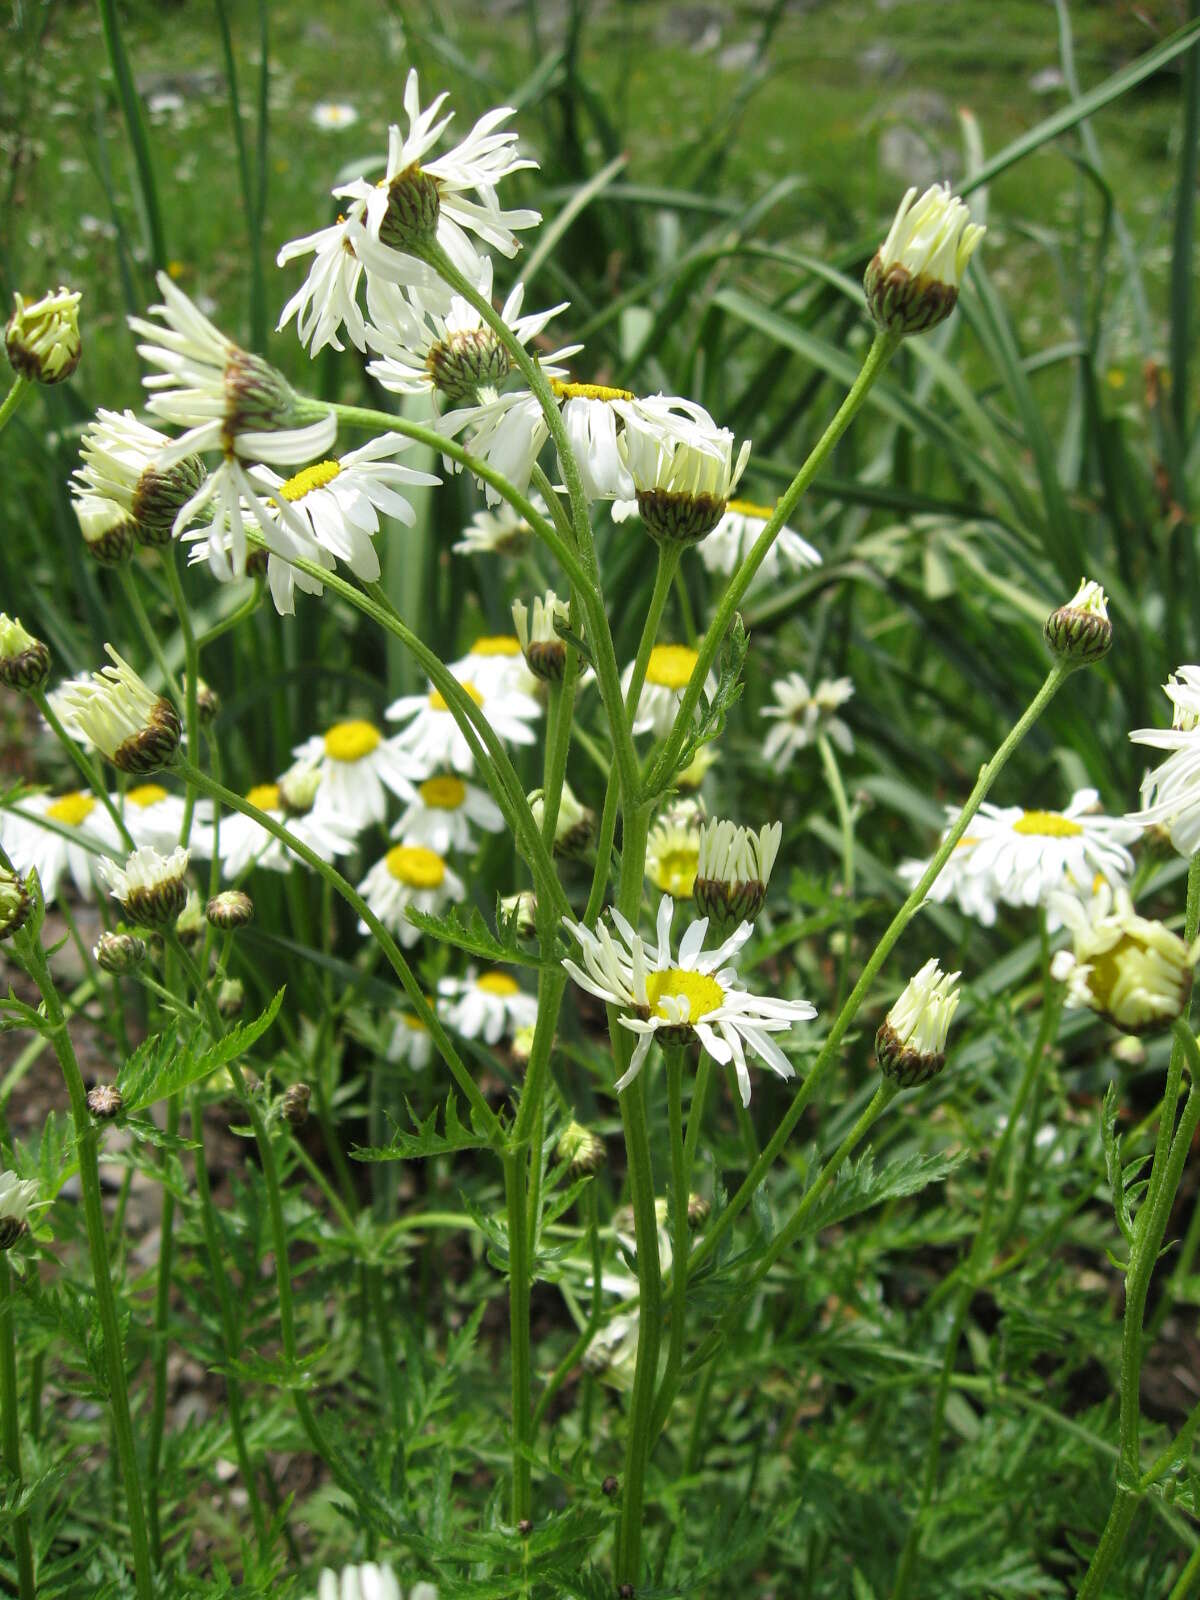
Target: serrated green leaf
[
  {"x": 425, "y": 1140},
  {"x": 473, "y": 935}
]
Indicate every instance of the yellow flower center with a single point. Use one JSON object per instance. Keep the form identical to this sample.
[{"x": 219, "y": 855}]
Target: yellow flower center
[
  {"x": 1047, "y": 825},
  {"x": 674, "y": 872},
  {"x": 146, "y": 794},
  {"x": 497, "y": 644},
  {"x": 747, "y": 508},
  {"x": 351, "y": 741},
  {"x": 588, "y": 391},
  {"x": 265, "y": 796},
  {"x": 498, "y": 983},
  {"x": 671, "y": 665},
  {"x": 443, "y": 794},
  {"x": 315, "y": 477},
  {"x": 437, "y": 703},
  {"x": 967, "y": 840},
  {"x": 411, "y": 1020},
  {"x": 702, "y": 993},
  {"x": 414, "y": 865},
  {"x": 71, "y": 809}
]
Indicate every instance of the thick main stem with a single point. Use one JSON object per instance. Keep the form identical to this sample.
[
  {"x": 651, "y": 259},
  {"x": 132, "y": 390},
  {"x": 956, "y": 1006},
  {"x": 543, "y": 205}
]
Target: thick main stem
[{"x": 10, "y": 1423}]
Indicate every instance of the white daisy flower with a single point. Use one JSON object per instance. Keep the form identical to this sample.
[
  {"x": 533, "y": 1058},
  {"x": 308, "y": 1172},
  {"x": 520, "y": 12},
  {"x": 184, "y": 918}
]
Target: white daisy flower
[
  {"x": 214, "y": 544},
  {"x": 496, "y": 663},
  {"x": 357, "y": 765},
  {"x": 802, "y": 713},
  {"x": 503, "y": 532},
  {"x": 1136, "y": 973},
  {"x": 409, "y": 875},
  {"x": 442, "y": 814},
  {"x": 731, "y": 541},
  {"x": 734, "y": 869},
  {"x": 150, "y": 888},
  {"x": 1171, "y": 793},
  {"x": 114, "y": 710},
  {"x": 152, "y": 814},
  {"x": 327, "y": 300},
  {"x": 694, "y": 995},
  {"x": 411, "y": 1041},
  {"x": 506, "y": 433},
  {"x": 973, "y": 892},
  {"x": 119, "y": 466},
  {"x": 330, "y": 115},
  {"x": 487, "y": 1005},
  {"x": 336, "y": 504},
  {"x": 31, "y": 847},
  {"x": 244, "y": 843},
  {"x": 668, "y": 674},
  {"x": 416, "y": 194},
  {"x": 368, "y": 1582},
  {"x": 455, "y": 356},
  {"x": 433, "y": 741}
]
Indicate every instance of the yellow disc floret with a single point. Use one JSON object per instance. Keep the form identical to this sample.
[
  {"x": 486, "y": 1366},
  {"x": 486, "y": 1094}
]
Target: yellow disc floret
[
  {"x": 351, "y": 741},
  {"x": 145, "y": 794},
  {"x": 702, "y": 993},
  {"x": 265, "y": 796},
  {"x": 304, "y": 482},
  {"x": 671, "y": 666},
  {"x": 414, "y": 865},
  {"x": 1047, "y": 825},
  {"x": 438, "y": 703},
  {"x": 498, "y": 983},
  {"x": 497, "y": 644},
  {"x": 747, "y": 508},
  {"x": 71, "y": 809},
  {"x": 443, "y": 794}
]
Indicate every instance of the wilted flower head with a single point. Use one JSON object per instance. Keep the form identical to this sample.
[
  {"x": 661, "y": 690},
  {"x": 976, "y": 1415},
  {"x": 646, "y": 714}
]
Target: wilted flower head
[
  {"x": 151, "y": 889},
  {"x": 910, "y": 1045},
  {"x": 138, "y": 730},
  {"x": 1080, "y": 631},
  {"x": 912, "y": 281},
  {"x": 1135, "y": 973},
  {"x": 119, "y": 953},
  {"x": 119, "y": 466},
  {"x": 42, "y": 337},
  {"x": 24, "y": 660},
  {"x": 734, "y": 869}
]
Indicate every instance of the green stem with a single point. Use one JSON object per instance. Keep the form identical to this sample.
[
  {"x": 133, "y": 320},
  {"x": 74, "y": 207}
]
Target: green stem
[
  {"x": 833, "y": 777},
  {"x": 237, "y": 616},
  {"x": 159, "y": 1341},
  {"x": 518, "y": 1324},
  {"x": 680, "y": 1177},
  {"x": 191, "y": 667},
  {"x": 148, "y": 631},
  {"x": 1188, "y": 1583},
  {"x": 988, "y": 774},
  {"x": 668, "y": 561},
  {"x": 588, "y": 1332},
  {"x": 14, "y": 399},
  {"x": 882, "y": 349},
  {"x": 10, "y": 1422},
  {"x": 89, "y": 1180}
]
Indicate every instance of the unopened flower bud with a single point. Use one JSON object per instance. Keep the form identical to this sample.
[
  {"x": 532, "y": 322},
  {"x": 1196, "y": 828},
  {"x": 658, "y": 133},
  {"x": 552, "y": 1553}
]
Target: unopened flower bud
[
  {"x": 697, "y": 1211},
  {"x": 293, "y": 1105},
  {"x": 576, "y": 823},
  {"x": 16, "y": 904},
  {"x": 525, "y": 1527},
  {"x": 138, "y": 730},
  {"x": 521, "y": 910},
  {"x": 160, "y": 494},
  {"x": 610, "y": 1486},
  {"x": 298, "y": 787},
  {"x": 544, "y": 649},
  {"x": 231, "y": 998},
  {"x": 734, "y": 869},
  {"x": 17, "y": 1195},
  {"x": 1129, "y": 1051},
  {"x": 582, "y": 1148},
  {"x": 414, "y": 205},
  {"x": 208, "y": 704},
  {"x": 1135, "y": 973},
  {"x": 104, "y": 1101},
  {"x": 912, "y": 281},
  {"x": 151, "y": 889},
  {"x": 1080, "y": 631},
  {"x": 24, "y": 660},
  {"x": 232, "y": 908},
  {"x": 109, "y": 532},
  {"x": 42, "y": 337},
  {"x": 465, "y": 361},
  {"x": 119, "y": 953},
  {"x": 910, "y": 1046},
  {"x": 193, "y": 923}
]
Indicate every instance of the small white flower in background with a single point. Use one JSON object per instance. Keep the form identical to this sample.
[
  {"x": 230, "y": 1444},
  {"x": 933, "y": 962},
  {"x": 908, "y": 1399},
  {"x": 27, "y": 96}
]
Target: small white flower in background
[
  {"x": 32, "y": 848},
  {"x": 18, "y": 1196},
  {"x": 1080, "y": 631},
  {"x": 456, "y": 356},
  {"x": 42, "y": 336},
  {"x": 802, "y": 713},
  {"x": 330, "y": 115},
  {"x": 137, "y": 730},
  {"x": 244, "y": 843},
  {"x": 505, "y": 433},
  {"x": 668, "y": 673},
  {"x": 731, "y": 541},
  {"x": 214, "y": 544},
  {"x": 409, "y": 875},
  {"x": 150, "y": 888},
  {"x": 503, "y": 532},
  {"x": 542, "y": 645},
  {"x": 327, "y": 300},
  {"x": 693, "y": 995},
  {"x": 910, "y": 1046},
  {"x": 612, "y": 1352},
  {"x": 673, "y": 855},
  {"x": 433, "y": 741},
  {"x": 152, "y": 814},
  {"x": 1135, "y": 973},
  {"x": 24, "y": 660},
  {"x": 973, "y": 892},
  {"x": 495, "y": 663},
  {"x": 912, "y": 281},
  {"x": 229, "y": 400},
  {"x": 442, "y": 813},
  {"x": 119, "y": 465},
  {"x": 411, "y": 1041},
  {"x": 1171, "y": 793},
  {"x": 369, "y": 1582},
  {"x": 734, "y": 869},
  {"x": 1027, "y": 855},
  {"x": 336, "y": 504},
  {"x": 487, "y": 1005},
  {"x": 357, "y": 767},
  {"x": 683, "y": 474}
]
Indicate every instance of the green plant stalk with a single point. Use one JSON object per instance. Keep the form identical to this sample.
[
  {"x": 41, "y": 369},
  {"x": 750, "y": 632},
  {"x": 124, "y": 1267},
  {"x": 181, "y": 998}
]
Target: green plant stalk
[
  {"x": 159, "y": 1339},
  {"x": 519, "y": 1337},
  {"x": 1187, "y": 1582},
  {"x": 837, "y": 789},
  {"x": 149, "y": 634},
  {"x": 988, "y": 774},
  {"x": 1149, "y": 1228},
  {"x": 87, "y": 1141},
  {"x": 668, "y": 562},
  {"x": 883, "y": 347},
  {"x": 237, "y": 616},
  {"x": 191, "y": 668},
  {"x": 10, "y": 1420},
  {"x": 88, "y": 772},
  {"x": 14, "y": 399},
  {"x": 669, "y": 1384},
  {"x": 136, "y": 130},
  {"x": 588, "y": 1332},
  {"x": 229, "y": 1327}
]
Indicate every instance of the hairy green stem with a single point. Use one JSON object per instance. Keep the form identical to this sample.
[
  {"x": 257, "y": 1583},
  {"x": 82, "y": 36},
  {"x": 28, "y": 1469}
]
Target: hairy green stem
[
  {"x": 19, "y": 391},
  {"x": 680, "y": 1178},
  {"x": 10, "y": 1423},
  {"x": 837, "y": 789},
  {"x": 191, "y": 685},
  {"x": 160, "y": 1337}
]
